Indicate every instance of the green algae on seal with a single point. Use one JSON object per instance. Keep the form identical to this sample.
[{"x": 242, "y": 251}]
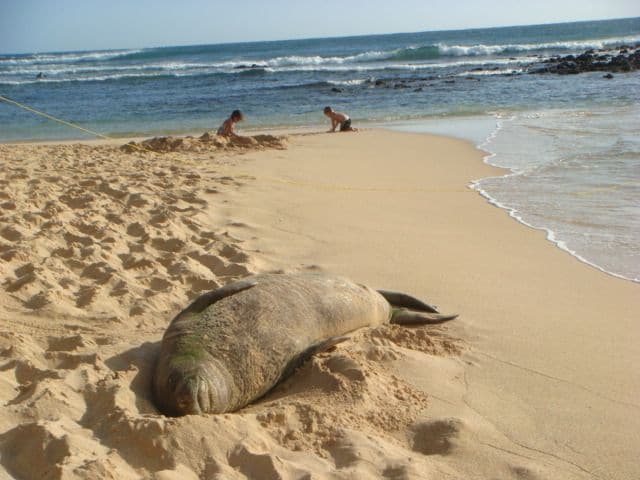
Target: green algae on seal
[{"x": 232, "y": 345}]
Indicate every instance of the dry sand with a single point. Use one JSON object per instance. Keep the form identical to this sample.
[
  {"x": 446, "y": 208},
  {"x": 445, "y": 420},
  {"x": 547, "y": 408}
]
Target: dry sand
[{"x": 99, "y": 248}]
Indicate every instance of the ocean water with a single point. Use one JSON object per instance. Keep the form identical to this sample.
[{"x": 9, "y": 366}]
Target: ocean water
[{"x": 571, "y": 142}]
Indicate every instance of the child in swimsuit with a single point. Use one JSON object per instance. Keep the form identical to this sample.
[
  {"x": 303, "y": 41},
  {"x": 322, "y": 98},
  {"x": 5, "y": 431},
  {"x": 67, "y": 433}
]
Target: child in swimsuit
[
  {"x": 339, "y": 118},
  {"x": 227, "y": 129}
]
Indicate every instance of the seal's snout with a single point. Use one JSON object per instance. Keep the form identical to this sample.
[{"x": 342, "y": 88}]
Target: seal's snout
[
  {"x": 186, "y": 403},
  {"x": 192, "y": 396}
]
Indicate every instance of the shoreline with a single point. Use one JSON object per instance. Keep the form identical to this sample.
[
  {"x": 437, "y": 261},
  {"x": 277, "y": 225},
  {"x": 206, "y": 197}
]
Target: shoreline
[
  {"x": 475, "y": 184},
  {"x": 550, "y": 234}
]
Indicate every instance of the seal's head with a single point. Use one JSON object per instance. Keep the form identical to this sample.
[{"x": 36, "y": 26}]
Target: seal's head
[{"x": 192, "y": 391}]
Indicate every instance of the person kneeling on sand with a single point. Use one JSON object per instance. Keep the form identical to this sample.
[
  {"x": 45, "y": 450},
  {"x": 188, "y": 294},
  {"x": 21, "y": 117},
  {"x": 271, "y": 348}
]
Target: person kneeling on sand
[
  {"x": 227, "y": 129},
  {"x": 339, "y": 118}
]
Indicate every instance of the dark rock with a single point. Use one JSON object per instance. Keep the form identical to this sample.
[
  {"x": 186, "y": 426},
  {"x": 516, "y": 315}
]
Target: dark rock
[
  {"x": 584, "y": 58},
  {"x": 419, "y": 89},
  {"x": 540, "y": 70},
  {"x": 622, "y": 59},
  {"x": 336, "y": 90},
  {"x": 608, "y": 75},
  {"x": 568, "y": 68}
]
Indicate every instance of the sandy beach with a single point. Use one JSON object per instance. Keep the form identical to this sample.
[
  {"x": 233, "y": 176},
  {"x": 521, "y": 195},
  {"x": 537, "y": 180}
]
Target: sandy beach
[{"x": 100, "y": 248}]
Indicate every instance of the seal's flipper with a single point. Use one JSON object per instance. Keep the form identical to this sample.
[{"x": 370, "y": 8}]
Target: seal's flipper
[
  {"x": 397, "y": 299},
  {"x": 324, "y": 345},
  {"x": 403, "y": 316},
  {"x": 318, "y": 347},
  {"x": 210, "y": 298}
]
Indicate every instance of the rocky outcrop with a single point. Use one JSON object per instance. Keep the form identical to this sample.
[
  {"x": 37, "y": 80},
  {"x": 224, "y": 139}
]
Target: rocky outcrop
[{"x": 622, "y": 59}]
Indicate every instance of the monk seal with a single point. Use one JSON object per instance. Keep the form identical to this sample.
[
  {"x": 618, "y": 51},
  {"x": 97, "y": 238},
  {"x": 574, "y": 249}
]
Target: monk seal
[{"x": 232, "y": 345}]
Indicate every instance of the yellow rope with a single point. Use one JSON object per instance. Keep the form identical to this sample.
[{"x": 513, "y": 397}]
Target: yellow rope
[
  {"x": 69, "y": 124},
  {"x": 280, "y": 180},
  {"x": 321, "y": 186}
]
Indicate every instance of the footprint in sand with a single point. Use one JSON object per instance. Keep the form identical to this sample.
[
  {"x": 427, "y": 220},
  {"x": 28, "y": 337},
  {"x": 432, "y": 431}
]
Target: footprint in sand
[
  {"x": 85, "y": 296},
  {"x": 99, "y": 271},
  {"x": 11, "y": 234},
  {"x": 192, "y": 197},
  {"x": 160, "y": 218},
  {"x": 77, "y": 202},
  {"x": 114, "y": 218},
  {"x": 199, "y": 284},
  {"x": 64, "y": 252},
  {"x": 71, "y": 239},
  {"x": 7, "y": 253},
  {"x": 233, "y": 254},
  {"x": 91, "y": 230},
  {"x": 168, "y": 244},
  {"x": 24, "y": 275},
  {"x": 38, "y": 301},
  {"x": 135, "y": 262},
  {"x": 218, "y": 267},
  {"x": 137, "y": 200},
  {"x": 106, "y": 188},
  {"x": 119, "y": 289},
  {"x": 159, "y": 284},
  {"x": 437, "y": 437}
]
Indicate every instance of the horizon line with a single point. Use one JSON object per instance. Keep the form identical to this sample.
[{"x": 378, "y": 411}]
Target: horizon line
[{"x": 294, "y": 39}]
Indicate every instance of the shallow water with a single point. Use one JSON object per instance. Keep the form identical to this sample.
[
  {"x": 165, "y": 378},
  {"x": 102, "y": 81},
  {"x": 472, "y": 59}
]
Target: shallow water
[{"x": 573, "y": 173}]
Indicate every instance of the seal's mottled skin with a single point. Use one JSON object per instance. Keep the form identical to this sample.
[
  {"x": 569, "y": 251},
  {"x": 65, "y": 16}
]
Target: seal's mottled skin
[{"x": 232, "y": 345}]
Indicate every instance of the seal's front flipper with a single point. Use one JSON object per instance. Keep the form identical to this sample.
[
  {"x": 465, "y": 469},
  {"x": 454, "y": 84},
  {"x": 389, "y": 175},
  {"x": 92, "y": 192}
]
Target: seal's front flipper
[
  {"x": 325, "y": 345},
  {"x": 397, "y": 299},
  {"x": 318, "y": 347},
  {"x": 210, "y": 298},
  {"x": 403, "y": 316}
]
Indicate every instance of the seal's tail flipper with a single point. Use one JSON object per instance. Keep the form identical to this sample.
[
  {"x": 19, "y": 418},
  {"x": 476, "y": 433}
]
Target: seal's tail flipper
[
  {"x": 397, "y": 299},
  {"x": 402, "y": 316}
]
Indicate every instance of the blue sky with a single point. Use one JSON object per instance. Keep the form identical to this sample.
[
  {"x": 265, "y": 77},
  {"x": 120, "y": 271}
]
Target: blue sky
[{"x": 59, "y": 25}]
